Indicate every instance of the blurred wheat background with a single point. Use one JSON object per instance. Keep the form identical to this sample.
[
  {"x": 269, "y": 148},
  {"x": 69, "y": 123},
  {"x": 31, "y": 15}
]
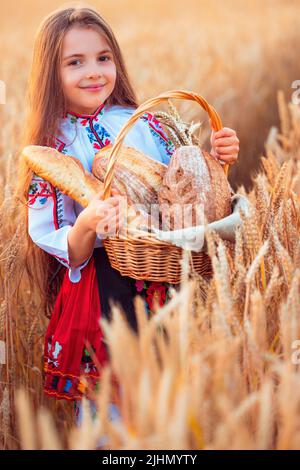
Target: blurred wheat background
[{"x": 225, "y": 378}]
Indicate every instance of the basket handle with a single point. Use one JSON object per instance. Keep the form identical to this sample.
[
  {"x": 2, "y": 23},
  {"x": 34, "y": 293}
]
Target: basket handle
[{"x": 216, "y": 125}]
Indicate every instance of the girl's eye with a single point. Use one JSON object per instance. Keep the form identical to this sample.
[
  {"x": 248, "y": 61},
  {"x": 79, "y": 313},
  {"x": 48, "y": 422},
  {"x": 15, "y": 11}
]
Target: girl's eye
[
  {"x": 74, "y": 62},
  {"x": 104, "y": 57}
]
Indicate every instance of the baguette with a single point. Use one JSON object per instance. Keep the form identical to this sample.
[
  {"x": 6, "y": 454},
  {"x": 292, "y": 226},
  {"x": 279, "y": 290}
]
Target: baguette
[{"x": 63, "y": 171}]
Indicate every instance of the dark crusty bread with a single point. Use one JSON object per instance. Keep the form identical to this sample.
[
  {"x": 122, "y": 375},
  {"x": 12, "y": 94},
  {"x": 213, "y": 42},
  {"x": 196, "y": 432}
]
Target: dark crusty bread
[{"x": 194, "y": 182}]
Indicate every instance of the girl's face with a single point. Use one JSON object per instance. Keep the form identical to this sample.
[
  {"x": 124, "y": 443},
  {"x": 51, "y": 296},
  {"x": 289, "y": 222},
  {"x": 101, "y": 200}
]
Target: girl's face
[{"x": 87, "y": 69}]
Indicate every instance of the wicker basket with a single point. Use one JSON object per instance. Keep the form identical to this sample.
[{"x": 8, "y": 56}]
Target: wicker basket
[{"x": 147, "y": 257}]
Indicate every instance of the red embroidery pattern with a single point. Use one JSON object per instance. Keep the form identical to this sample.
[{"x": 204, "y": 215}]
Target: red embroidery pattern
[
  {"x": 153, "y": 291},
  {"x": 158, "y": 131},
  {"x": 58, "y": 144},
  {"x": 156, "y": 291},
  {"x": 40, "y": 191},
  {"x": 156, "y": 125}
]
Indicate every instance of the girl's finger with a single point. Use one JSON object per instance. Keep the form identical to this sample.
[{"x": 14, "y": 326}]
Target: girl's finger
[
  {"x": 99, "y": 195},
  {"x": 107, "y": 211},
  {"x": 231, "y": 149},
  {"x": 224, "y": 141},
  {"x": 105, "y": 226},
  {"x": 110, "y": 202},
  {"x": 225, "y": 131},
  {"x": 111, "y": 216}
]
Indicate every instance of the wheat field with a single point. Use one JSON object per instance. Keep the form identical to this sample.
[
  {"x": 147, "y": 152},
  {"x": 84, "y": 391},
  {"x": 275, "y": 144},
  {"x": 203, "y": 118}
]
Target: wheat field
[{"x": 228, "y": 376}]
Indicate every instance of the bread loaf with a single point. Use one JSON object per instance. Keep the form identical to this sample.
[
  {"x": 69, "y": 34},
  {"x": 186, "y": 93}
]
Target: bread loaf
[
  {"x": 135, "y": 175},
  {"x": 63, "y": 171},
  {"x": 193, "y": 177},
  {"x": 193, "y": 186},
  {"x": 70, "y": 177}
]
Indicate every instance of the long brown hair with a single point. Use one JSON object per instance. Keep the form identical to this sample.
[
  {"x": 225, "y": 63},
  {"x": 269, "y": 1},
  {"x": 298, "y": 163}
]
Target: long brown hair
[{"x": 45, "y": 107}]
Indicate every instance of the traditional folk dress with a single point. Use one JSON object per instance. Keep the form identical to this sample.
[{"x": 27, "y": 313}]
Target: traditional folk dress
[{"x": 74, "y": 350}]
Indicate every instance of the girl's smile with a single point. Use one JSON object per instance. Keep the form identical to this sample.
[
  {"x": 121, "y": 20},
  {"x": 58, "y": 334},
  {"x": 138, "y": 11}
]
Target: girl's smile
[
  {"x": 88, "y": 70},
  {"x": 93, "y": 87}
]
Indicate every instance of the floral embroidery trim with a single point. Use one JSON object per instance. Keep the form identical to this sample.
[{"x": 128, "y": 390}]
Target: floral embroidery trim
[
  {"x": 57, "y": 372},
  {"x": 153, "y": 291},
  {"x": 157, "y": 130},
  {"x": 64, "y": 385},
  {"x": 59, "y": 144},
  {"x": 40, "y": 191},
  {"x": 156, "y": 291},
  {"x": 98, "y": 136},
  {"x": 83, "y": 119},
  {"x": 62, "y": 395}
]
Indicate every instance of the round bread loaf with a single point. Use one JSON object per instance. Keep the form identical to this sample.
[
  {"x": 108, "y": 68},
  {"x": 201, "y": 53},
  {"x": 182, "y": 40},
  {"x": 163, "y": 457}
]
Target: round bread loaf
[{"x": 194, "y": 188}]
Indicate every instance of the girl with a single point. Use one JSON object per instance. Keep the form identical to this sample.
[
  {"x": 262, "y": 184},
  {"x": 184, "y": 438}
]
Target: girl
[{"x": 79, "y": 98}]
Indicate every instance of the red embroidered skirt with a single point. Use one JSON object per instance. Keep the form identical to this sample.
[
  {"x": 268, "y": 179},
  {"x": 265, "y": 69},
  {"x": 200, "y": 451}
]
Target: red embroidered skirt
[
  {"x": 74, "y": 350},
  {"x": 74, "y": 320}
]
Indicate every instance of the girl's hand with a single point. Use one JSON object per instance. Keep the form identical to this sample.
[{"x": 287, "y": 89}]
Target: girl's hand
[
  {"x": 103, "y": 217},
  {"x": 225, "y": 145}
]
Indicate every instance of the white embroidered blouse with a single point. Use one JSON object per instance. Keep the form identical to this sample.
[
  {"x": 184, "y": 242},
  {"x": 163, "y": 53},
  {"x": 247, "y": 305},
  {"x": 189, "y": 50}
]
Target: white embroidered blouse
[{"x": 51, "y": 214}]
